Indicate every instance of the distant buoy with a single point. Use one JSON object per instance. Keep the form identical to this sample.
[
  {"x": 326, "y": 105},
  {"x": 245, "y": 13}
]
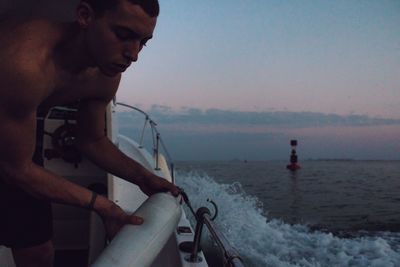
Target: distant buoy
[{"x": 293, "y": 166}]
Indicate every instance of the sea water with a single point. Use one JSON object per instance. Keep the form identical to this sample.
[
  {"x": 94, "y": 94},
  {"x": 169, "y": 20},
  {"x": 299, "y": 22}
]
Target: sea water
[{"x": 329, "y": 213}]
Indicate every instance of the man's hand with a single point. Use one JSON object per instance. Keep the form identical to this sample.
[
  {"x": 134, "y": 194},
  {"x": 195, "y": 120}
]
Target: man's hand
[
  {"x": 114, "y": 218},
  {"x": 153, "y": 184}
]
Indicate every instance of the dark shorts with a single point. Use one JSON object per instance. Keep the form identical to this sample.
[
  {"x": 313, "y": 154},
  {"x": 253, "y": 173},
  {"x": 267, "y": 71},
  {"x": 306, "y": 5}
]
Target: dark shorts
[{"x": 25, "y": 221}]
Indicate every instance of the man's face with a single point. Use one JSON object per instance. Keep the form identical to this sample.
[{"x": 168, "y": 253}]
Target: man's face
[{"x": 115, "y": 39}]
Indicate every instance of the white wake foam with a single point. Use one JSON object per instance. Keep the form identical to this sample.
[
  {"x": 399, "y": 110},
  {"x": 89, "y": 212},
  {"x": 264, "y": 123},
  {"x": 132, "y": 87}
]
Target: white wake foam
[{"x": 265, "y": 242}]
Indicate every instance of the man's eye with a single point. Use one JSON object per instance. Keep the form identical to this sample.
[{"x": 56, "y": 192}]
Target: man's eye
[{"x": 123, "y": 35}]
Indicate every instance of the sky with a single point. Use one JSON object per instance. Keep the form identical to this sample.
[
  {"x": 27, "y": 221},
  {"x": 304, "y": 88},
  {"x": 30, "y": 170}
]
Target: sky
[{"x": 324, "y": 72}]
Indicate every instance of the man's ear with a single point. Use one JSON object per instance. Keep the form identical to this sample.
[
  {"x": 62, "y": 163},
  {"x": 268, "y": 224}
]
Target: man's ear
[{"x": 84, "y": 14}]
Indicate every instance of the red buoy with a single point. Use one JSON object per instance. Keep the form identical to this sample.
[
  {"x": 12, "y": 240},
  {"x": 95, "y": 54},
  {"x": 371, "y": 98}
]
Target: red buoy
[{"x": 293, "y": 166}]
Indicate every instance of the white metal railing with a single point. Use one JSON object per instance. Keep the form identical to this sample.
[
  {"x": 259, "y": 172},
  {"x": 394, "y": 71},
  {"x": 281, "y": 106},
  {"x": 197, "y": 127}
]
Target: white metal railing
[{"x": 157, "y": 141}]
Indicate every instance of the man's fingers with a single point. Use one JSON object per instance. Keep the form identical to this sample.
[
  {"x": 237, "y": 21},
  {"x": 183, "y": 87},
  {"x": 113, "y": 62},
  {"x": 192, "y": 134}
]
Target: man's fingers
[
  {"x": 136, "y": 220},
  {"x": 174, "y": 190}
]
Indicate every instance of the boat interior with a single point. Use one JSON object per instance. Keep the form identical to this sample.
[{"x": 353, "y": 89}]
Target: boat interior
[{"x": 78, "y": 233}]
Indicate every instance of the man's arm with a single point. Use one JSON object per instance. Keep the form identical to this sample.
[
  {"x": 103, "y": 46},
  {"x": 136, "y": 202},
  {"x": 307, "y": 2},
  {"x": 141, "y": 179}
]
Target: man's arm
[
  {"x": 21, "y": 89},
  {"x": 16, "y": 167},
  {"x": 99, "y": 149},
  {"x": 18, "y": 102},
  {"x": 17, "y": 144}
]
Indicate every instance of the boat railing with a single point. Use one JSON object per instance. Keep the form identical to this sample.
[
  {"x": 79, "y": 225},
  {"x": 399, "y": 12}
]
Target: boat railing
[
  {"x": 203, "y": 217},
  {"x": 203, "y": 214},
  {"x": 157, "y": 142},
  {"x": 231, "y": 256}
]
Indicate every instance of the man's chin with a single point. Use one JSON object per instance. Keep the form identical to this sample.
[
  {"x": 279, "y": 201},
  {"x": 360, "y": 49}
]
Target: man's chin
[{"x": 110, "y": 72}]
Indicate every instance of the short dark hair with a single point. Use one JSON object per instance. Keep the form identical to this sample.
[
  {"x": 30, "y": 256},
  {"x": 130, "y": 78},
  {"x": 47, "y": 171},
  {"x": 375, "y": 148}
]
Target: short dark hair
[{"x": 151, "y": 7}]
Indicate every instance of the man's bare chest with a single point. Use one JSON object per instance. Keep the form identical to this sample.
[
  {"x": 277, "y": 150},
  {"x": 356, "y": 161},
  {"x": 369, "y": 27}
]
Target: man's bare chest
[{"x": 69, "y": 89}]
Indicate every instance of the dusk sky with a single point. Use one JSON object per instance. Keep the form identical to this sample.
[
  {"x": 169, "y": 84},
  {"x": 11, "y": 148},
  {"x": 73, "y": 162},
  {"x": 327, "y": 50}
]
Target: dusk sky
[
  {"x": 339, "y": 57},
  {"x": 281, "y": 60},
  {"x": 238, "y": 79}
]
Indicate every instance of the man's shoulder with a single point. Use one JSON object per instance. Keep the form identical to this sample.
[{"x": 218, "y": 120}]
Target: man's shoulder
[
  {"x": 24, "y": 62},
  {"x": 27, "y": 44},
  {"x": 27, "y": 28},
  {"x": 19, "y": 36}
]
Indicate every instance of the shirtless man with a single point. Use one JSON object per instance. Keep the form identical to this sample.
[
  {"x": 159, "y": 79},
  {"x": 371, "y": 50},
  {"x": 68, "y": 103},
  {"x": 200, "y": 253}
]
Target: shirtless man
[{"x": 45, "y": 64}]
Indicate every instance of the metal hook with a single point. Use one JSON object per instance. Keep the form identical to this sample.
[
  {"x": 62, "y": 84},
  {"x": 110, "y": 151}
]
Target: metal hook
[{"x": 215, "y": 207}]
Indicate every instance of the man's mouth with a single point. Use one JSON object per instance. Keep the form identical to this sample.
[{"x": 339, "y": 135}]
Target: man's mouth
[{"x": 120, "y": 67}]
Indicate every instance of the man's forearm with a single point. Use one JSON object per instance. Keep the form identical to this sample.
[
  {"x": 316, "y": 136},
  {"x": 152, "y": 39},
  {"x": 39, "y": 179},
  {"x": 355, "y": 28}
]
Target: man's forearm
[
  {"x": 41, "y": 183},
  {"x": 105, "y": 154}
]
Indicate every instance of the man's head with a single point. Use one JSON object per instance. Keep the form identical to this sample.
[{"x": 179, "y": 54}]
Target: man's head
[
  {"x": 151, "y": 7},
  {"x": 115, "y": 31}
]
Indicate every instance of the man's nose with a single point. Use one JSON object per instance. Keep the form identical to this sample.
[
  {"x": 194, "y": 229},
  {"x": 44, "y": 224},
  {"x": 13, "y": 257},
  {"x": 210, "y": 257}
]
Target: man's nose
[{"x": 131, "y": 53}]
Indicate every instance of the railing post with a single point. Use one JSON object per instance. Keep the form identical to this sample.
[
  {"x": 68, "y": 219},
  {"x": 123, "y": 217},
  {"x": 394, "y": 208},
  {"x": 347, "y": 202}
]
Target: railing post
[
  {"x": 197, "y": 235},
  {"x": 172, "y": 172},
  {"x": 194, "y": 247},
  {"x": 142, "y": 135},
  {"x": 157, "y": 151}
]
